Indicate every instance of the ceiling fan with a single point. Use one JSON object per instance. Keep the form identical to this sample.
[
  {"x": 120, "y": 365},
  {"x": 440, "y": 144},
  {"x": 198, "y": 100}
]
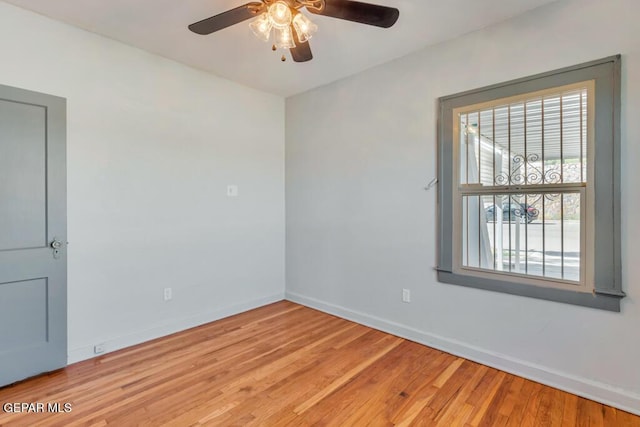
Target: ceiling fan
[{"x": 292, "y": 29}]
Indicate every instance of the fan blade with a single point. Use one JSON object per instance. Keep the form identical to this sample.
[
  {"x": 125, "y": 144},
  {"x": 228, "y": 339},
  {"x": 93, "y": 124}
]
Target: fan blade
[
  {"x": 227, "y": 19},
  {"x": 302, "y": 51},
  {"x": 363, "y": 13}
]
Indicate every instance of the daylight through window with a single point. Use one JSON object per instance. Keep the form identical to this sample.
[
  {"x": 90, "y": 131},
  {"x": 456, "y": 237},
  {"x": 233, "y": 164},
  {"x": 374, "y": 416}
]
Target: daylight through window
[{"x": 523, "y": 168}]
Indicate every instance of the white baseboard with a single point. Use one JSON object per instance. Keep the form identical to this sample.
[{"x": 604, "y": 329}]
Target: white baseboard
[
  {"x": 584, "y": 387},
  {"x": 175, "y": 325}
]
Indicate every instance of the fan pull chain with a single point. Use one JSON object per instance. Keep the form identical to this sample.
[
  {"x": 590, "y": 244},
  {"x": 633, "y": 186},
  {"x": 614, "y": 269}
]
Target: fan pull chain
[{"x": 274, "y": 48}]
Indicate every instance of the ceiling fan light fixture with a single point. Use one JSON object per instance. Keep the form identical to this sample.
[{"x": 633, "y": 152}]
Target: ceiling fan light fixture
[
  {"x": 304, "y": 27},
  {"x": 261, "y": 27},
  {"x": 280, "y": 15},
  {"x": 284, "y": 38},
  {"x": 291, "y": 28}
]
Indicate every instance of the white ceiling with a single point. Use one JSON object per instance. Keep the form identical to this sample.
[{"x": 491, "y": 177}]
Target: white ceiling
[{"x": 340, "y": 48}]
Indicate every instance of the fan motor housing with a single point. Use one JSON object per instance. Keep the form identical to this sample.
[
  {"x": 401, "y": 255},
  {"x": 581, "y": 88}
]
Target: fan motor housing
[{"x": 298, "y": 4}]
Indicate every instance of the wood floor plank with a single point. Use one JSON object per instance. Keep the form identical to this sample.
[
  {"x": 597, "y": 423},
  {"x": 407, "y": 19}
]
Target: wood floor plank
[
  {"x": 497, "y": 383},
  {"x": 531, "y": 409},
  {"x": 444, "y": 377},
  {"x": 374, "y": 393},
  {"x": 302, "y": 374},
  {"x": 281, "y": 402},
  {"x": 543, "y": 416},
  {"x": 494, "y": 401},
  {"x": 273, "y": 375},
  {"x": 288, "y": 365},
  {"x": 458, "y": 405},
  {"x": 338, "y": 382},
  {"x": 557, "y": 408},
  {"x": 511, "y": 398},
  {"x": 517, "y": 416}
]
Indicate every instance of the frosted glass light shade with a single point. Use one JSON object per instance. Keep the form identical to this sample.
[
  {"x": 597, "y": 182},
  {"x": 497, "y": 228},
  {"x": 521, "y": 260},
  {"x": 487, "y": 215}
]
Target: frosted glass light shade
[
  {"x": 304, "y": 27},
  {"x": 284, "y": 38},
  {"x": 280, "y": 15},
  {"x": 261, "y": 27}
]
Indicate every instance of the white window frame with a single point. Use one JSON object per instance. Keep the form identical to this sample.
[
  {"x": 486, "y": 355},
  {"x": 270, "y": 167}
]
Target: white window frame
[{"x": 600, "y": 285}]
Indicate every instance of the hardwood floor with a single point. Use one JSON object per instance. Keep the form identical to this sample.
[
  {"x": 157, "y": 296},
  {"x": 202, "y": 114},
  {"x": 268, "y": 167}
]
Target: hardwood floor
[{"x": 287, "y": 365}]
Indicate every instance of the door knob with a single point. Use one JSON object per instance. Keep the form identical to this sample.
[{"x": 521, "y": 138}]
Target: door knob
[{"x": 56, "y": 245}]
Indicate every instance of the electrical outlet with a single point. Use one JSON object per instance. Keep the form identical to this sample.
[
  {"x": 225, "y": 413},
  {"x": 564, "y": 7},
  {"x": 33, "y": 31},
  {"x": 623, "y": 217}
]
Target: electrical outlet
[
  {"x": 168, "y": 294},
  {"x": 98, "y": 349},
  {"x": 406, "y": 295}
]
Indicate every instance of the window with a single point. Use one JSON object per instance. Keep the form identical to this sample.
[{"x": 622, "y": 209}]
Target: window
[{"x": 529, "y": 181}]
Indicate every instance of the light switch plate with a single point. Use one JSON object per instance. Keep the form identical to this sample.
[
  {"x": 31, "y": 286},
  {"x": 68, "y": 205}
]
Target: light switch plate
[{"x": 232, "y": 191}]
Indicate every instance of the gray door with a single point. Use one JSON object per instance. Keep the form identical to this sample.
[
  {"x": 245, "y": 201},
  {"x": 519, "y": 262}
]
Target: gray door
[{"x": 33, "y": 273}]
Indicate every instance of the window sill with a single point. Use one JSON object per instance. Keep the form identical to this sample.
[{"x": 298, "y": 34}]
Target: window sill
[{"x": 603, "y": 300}]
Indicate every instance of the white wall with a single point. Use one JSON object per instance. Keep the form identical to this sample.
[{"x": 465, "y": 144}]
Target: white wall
[
  {"x": 360, "y": 227},
  {"x": 152, "y": 145}
]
